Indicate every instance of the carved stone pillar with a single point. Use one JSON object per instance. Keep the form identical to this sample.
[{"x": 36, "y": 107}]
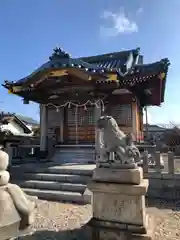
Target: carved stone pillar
[{"x": 43, "y": 130}]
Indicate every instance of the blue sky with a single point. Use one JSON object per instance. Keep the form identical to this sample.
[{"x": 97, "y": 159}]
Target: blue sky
[{"x": 29, "y": 30}]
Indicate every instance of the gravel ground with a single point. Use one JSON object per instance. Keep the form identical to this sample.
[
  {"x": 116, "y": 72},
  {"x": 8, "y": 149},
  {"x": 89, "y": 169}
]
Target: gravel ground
[
  {"x": 167, "y": 217},
  {"x": 62, "y": 221}
]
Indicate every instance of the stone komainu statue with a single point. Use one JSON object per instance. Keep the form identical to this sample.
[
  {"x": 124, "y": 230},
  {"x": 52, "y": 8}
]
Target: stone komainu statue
[
  {"x": 17, "y": 210},
  {"x": 112, "y": 139}
]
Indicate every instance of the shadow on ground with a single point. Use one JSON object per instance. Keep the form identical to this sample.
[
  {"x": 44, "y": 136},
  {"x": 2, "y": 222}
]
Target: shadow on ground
[
  {"x": 75, "y": 234},
  {"x": 163, "y": 204}
]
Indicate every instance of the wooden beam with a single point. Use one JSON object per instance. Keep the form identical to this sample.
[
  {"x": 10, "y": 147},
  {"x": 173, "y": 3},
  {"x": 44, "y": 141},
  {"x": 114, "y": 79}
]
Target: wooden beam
[
  {"x": 79, "y": 73},
  {"x": 54, "y": 73},
  {"x": 71, "y": 89}
]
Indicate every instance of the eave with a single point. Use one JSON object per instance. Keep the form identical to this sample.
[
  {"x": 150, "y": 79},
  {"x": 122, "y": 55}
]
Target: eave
[
  {"x": 65, "y": 74},
  {"x": 73, "y": 93},
  {"x": 61, "y": 64},
  {"x": 153, "y": 76}
]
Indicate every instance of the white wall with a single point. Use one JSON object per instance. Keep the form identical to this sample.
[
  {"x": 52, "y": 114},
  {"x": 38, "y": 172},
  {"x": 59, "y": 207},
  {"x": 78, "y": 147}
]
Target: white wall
[{"x": 15, "y": 128}]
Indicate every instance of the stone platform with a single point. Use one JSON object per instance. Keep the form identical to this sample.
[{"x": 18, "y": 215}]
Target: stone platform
[{"x": 119, "y": 210}]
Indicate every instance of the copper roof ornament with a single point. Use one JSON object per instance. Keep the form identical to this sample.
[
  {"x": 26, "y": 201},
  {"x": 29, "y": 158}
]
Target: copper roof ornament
[{"x": 59, "y": 53}]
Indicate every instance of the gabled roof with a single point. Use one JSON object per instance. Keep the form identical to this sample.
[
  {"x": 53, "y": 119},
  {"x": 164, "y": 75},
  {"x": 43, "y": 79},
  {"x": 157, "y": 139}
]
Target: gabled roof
[
  {"x": 6, "y": 118},
  {"x": 119, "y": 62},
  {"x": 123, "y": 69},
  {"x": 61, "y": 60},
  {"x": 124, "y": 63}
]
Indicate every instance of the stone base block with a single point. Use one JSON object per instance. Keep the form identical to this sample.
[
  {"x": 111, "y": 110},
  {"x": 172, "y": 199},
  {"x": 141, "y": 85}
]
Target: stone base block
[
  {"x": 87, "y": 196},
  {"x": 127, "y": 176},
  {"x": 120, "y": 203},
  {"x": 103, "y": 230},
  {"x": 113, "y": 235},
  {"x": 115, "y": 188},
  {"x": 112, "y": 164}
]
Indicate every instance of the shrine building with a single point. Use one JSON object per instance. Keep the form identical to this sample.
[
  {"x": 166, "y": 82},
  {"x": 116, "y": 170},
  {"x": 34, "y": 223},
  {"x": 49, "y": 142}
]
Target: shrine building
[{"x": 74, "y": 92}]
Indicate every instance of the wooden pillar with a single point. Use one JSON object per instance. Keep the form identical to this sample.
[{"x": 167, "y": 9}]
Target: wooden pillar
[
  {"x": 43, "y": 129},
  {"x": 65, "y": 125},
  {"x": 97, "y": 115},
  {"x": 61, "y": 112},
  {"x": 141, "y": 122},
  {"x": 134, "y": 118}
]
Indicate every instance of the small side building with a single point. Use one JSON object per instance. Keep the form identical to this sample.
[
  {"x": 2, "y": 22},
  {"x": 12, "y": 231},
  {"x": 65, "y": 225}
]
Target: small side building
[
  {"x": 153, "y": 132},
  {"x": 11, "y": 125},
  {"x": 13, "y": 133}
]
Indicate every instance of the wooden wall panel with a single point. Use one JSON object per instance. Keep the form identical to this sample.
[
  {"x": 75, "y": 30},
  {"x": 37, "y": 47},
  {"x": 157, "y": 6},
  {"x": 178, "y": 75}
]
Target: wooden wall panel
[
  {"x": 86, "y": 122},
  {"x": 122, "y": 114}
]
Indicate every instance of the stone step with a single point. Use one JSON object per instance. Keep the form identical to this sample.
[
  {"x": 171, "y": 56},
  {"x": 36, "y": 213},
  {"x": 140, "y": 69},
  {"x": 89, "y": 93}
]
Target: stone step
[
  {"x": 74, "y": 155},
  {"x": 51, "y": 185},
  {"x": 75, "y": 170},
  {"x": 56, "y": 195},
  {"x": 57, "y": 177}
]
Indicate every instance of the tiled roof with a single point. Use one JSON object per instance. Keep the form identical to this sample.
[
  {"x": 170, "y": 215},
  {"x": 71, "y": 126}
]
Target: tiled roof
[
  {"x": 115, "y": 60},
  {"x": 125, "y": 63},
  {"x": 119, "y": 62},
  {"x": 63, "y": 60},
  {"x": 159, "y": 66}
]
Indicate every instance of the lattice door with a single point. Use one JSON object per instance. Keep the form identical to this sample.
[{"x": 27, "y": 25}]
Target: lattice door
[{"x": 80, "y": 125}]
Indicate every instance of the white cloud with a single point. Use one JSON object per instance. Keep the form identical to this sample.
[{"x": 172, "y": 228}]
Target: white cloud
[{"x": 119, "y": 23}]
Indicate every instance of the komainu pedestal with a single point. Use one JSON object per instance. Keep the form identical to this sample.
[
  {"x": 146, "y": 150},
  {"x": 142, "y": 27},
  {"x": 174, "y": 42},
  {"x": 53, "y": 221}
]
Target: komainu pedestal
[{"x": 119, "y": 211}]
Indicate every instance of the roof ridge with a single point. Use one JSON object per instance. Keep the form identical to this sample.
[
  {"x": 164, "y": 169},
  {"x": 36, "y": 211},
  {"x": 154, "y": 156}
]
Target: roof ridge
[
  {"x": 135, "y": 50},
  {"x": 161, "y": 61}
]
